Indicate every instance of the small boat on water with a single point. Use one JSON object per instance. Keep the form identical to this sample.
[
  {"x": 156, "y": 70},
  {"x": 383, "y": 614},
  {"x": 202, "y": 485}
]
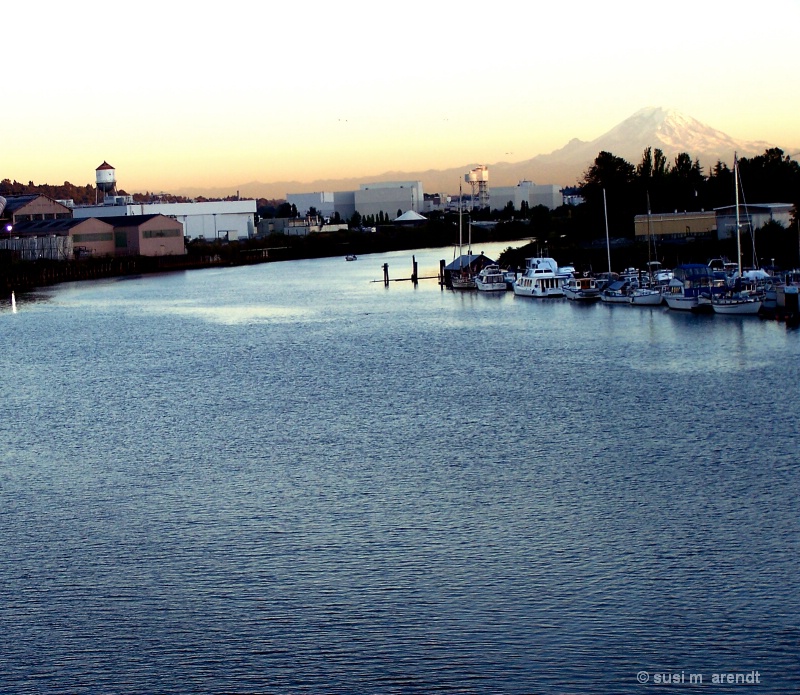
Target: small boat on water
[
  {"x": 540, "y": 279},
  {"x": 510, "y": 276},
  {"x": 737, "y": 300},
  {"x": 461, "y": 275},
  {"x": 582, "y": 289},
  {"x": 491, "y": 279},
  {"x": 646, "y": 296},
  {"x": 462, "y": 280},
  {"x": 689, "y": 282},
  {"x": 658, "y": 274},
  {"x": 787, "y": 294},
  {"x": 739, "y": 304},
  {"x": 616, "y": 292},
  {"x": 351, "y": 257}
]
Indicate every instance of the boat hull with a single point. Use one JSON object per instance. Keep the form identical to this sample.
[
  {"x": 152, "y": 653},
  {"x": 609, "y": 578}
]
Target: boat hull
[
  {"x": 490, "y": 286},
  {"x": 681, "y": 303},
  {"x": 537, "y": 292},
  {"x": 739, "y": 307},
  {"x": 462, "y": 283},
  {"x": 582, "y": 295},
  {"x": 646, "y": 298},
  {"x": 615, "y": 298}
]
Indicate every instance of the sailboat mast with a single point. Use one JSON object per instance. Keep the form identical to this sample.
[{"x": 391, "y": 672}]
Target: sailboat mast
[
  {"x": 459, "y": 224},
  {"x": 608, "y": 241},
  {"x": 649, "y": 234},
  {"x": 736, "y": 200}
]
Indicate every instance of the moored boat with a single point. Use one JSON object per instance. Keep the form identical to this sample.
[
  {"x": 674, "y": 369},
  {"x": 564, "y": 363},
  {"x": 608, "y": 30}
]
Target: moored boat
[
  {"x": 739, "y": 304},
  {"x": 540, "y": 279},
  {"x": 737, "y": 301},
  {"x": 617, "y": 292},
  {"x": 491, "y": 279},
  {"x": 581, "y": 289},
  {"x": 646, "y": 296},
  {"x": 689, "y": 281}
]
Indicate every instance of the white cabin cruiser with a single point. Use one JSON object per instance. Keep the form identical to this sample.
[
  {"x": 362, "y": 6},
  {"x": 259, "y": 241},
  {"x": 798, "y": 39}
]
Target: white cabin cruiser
[
  {"x": 540, "y": 279},
  {"x": 491, "y": 279}
]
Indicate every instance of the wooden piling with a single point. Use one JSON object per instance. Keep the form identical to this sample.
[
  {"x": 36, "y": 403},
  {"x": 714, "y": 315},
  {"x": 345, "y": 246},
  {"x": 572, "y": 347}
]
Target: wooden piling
[
  {"x": 414, "y": 269},
  {"x": 386, "y": 274}
]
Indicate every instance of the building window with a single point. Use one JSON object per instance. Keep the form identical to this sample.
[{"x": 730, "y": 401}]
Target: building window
[{"x": 161, "y": 233}]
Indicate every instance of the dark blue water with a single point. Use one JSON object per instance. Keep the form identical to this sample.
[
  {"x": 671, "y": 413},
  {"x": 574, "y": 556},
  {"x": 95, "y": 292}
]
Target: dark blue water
[{"x": 289, "y": 479}]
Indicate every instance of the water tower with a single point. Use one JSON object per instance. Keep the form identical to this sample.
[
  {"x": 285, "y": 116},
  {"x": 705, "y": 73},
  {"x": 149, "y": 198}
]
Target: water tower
[
  {"x": 106, "y": 179},
  {"x": 478, "y": 178}
]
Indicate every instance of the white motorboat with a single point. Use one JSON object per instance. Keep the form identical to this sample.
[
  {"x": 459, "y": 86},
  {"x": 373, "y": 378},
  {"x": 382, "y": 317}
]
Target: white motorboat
[
  {"x": 351, "y": 257},
  {"x": 540, "y": 279},
  {"x": 582, "y": 289},
  {"x": 658, "y": 274},
  {"x": 491, "y": 279}
]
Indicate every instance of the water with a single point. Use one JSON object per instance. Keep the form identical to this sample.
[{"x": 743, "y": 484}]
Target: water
[{"x": 287, "y": 478}]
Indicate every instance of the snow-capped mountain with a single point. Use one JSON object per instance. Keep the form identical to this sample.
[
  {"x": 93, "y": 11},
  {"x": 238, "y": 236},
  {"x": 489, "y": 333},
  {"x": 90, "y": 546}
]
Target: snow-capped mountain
[{"x": 655, "y": 127}]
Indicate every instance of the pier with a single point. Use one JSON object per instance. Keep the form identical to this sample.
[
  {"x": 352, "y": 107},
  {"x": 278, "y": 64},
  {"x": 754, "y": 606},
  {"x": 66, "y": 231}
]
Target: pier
[{"x": 415, "y": 278}]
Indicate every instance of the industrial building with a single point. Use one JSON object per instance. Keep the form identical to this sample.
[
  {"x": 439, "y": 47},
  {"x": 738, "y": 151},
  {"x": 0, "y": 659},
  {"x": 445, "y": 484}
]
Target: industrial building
[
  {"x": 676, "y": 225},
  {"x": 752, "y": 217},
  {"x": 550, "y": 196},
  {"x": 371, "y": 199},
  {"x": 35, "y": 226},
  {"x": 23, "y": 208},
  {"x": 720, "y": 222},
  {"x": 228, "y": 220}
]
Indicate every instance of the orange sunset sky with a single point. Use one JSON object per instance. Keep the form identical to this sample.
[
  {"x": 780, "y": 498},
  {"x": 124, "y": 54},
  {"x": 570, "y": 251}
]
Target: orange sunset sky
[{"x": 177, "y": 96}]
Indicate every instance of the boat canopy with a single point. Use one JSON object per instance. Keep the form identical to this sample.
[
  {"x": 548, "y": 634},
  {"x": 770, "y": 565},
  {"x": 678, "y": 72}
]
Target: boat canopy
[
  {"x": 692, "y": 271},
  {"x": 467, "y": 260}
]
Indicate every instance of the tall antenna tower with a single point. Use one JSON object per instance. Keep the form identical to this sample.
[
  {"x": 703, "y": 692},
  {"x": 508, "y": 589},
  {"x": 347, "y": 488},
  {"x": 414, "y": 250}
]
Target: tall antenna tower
[{"x": 478, "y": 179}]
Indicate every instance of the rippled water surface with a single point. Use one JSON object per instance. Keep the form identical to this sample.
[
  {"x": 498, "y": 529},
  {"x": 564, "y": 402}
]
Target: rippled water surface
[{"x": 287, "y": 478}]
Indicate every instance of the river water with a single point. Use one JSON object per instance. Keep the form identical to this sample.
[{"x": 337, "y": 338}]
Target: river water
[{"x": 289, "y": 478}]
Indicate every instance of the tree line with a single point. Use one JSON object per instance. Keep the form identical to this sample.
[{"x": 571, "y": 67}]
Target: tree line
[{"x": 660, "y": 186}]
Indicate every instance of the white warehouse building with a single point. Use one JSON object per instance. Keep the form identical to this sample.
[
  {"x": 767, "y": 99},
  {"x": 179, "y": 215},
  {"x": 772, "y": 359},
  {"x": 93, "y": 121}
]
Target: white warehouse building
[
  {"x": 225, "y": 219},
  {"x": 370, "y": 199},
  {"x": 322, "y": 201},
  {"x": 229, "y": 220},
  {"x": 526, "y": 191},
  {"x": 389, "y": 198}
]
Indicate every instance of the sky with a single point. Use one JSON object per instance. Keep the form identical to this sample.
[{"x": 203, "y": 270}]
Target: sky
[{"x": 178, "y": 96}]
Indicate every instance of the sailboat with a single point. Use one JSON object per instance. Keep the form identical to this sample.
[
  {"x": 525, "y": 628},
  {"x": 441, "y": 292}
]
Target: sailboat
[
  {"x": 614, "y": 291},
  {"x": 736, "y": 302},
  {"x": 647, "y": 296},
  {"x": 462, "y": 279}
]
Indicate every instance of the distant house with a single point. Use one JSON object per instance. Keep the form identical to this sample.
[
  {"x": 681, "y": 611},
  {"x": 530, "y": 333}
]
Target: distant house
[{"x": 25, "y": 208}]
